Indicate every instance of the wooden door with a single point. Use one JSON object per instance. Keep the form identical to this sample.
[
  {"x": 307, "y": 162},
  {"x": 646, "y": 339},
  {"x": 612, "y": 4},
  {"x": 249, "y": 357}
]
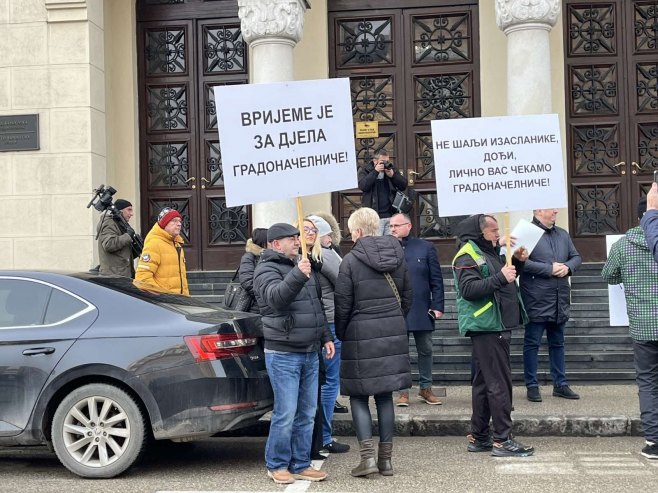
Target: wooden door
[
  {"x": 611, "y": 77},
  {"x": 408, "y": 63},
  {"x": 186, "y": 48}
]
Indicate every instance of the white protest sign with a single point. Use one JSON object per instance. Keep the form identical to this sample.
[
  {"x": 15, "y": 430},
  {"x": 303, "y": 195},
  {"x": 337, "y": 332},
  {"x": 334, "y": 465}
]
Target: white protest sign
[
  {"x": 616, "y": 297},
  {"x": 285, "y": 140},
  {"x": 507, "y": 163}
]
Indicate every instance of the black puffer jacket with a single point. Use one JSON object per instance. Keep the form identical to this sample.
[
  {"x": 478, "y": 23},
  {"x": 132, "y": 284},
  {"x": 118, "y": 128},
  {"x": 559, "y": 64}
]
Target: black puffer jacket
[
  {"x": 547, "y": 298},
  {"x": 292, "y": 315},
  {"x": 369, "y": 321},
  {"x": 246, "y": 272},
  {"x": 371, "y": 188}
]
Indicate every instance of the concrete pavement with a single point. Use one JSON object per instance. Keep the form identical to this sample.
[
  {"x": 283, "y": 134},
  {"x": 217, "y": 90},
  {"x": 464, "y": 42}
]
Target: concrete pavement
[{"x": 602, "y": 410}]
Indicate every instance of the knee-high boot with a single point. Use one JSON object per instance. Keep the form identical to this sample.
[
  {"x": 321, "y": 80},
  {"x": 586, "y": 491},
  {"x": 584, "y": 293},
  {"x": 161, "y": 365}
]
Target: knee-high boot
[
  {"x": 384, "y": 458},
  {"x": 368, "y": 465}
]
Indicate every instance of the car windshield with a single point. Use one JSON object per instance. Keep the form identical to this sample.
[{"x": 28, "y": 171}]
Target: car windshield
[{"x": 180, "y": 303}]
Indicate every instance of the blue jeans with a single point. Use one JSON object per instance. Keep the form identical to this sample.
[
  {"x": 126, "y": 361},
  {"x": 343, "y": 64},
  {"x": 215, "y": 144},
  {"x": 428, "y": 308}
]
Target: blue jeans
[
  {"x": 646, "y": 371},
  {"x": 423, "y": 340},
  {"x": 531, "y": 343},
  {"x": 330, "y": 388},
  {"x": 294, "y": 379}
]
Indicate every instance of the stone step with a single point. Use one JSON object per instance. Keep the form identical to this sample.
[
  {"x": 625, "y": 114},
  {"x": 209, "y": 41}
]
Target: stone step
[{"x": 575, "y": 377}]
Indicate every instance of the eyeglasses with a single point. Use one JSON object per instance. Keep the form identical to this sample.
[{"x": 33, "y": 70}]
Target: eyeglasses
[
  {"x": 393, "y": 226},
  {"x": 310, "y": 230},
  {"x": 176, "y": 221}
]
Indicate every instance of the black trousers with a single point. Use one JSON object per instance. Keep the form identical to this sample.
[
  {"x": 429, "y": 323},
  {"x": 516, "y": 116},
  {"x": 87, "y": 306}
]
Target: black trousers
[{"x": 492, "y": 386}]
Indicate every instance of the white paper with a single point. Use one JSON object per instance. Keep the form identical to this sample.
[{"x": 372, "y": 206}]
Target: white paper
[
  {"x": 616, "y": 297},
  {"x": 526, "y": 234}
]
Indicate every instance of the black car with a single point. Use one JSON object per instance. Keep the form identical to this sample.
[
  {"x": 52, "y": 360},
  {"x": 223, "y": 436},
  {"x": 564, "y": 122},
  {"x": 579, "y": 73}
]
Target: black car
[{"x": 95, "y": 367}]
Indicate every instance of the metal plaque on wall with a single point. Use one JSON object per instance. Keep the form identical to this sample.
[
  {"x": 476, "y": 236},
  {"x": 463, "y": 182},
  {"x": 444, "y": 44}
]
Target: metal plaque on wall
[{"x": 19, "y": 133}]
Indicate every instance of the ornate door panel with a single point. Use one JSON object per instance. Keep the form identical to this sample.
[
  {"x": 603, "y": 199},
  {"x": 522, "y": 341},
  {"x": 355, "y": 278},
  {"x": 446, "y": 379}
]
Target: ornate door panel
[
  {"x": 184, "y": 50},
  {"x": 612, "y": 110},
  {"x": 407, "y": 66}
]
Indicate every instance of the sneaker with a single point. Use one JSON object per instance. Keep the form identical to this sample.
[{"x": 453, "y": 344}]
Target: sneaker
[
  {"x": 534, "y": 395},
  {"x": 335, "y": 447},
  {"x": 403, "y": 400},
  {"x": 428, "y": 396},
  {"x": 511, "y": 448},
  {"x": 565, "y": 392},
  {"x": 311, "y": 474},
  {"x": 650, "y": 451},
  {"x": 340, "y": 409},
  {"x": 318, "y": 455},
  {"x": 282, "y": 476},
  {"x": 475, "y": 445}
]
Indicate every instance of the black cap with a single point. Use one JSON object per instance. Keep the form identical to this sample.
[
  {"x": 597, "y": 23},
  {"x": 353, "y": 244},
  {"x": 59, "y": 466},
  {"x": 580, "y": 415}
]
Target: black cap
[
  {"x": 121, "y": 204},
  {"x": 281, "y": 230}
]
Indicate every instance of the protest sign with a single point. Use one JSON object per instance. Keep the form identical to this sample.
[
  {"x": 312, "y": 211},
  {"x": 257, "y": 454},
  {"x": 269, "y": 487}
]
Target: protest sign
[
  {"x": 502, "y": 164},
  {"x": 616, "y": 296},
  {"x": 285, "y": 140}
]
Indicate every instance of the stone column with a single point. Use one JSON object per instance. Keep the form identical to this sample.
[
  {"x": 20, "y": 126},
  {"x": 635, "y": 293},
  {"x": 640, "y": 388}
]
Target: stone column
[
  {"x": 527, "y": 24},
  {"x": 272, "y": 28}
]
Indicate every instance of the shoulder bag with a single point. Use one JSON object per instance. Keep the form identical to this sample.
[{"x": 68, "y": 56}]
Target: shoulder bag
[{"x": 236, "y": 297}]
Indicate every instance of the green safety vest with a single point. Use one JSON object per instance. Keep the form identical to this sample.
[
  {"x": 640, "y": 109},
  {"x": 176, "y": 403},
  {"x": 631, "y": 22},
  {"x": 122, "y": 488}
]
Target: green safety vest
[{"x": 481, "y": 315}]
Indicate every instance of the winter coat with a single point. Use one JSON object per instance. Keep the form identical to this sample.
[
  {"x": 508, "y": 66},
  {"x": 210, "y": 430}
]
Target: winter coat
[
  {"x": 289, "y": 302},
  {"x": 326, "y": 276},
  {"x": 369, "y": 185},
  {"x": 631, "y": 262},
  {"x": 114, "y": 248},
  {"x": 370, "y": 321},
  {"x": 246, "y": 271},
  {"x": 476, "y": 286},
  {"x": 162, "y": 263},
  {"x": 649, "y": 224},
  {"x": 426, "y": 282},
  {"x": 547, "y": 298}
]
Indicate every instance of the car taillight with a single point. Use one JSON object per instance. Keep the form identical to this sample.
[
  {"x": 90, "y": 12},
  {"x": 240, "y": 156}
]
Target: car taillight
[{"x": 217, "y": 346}]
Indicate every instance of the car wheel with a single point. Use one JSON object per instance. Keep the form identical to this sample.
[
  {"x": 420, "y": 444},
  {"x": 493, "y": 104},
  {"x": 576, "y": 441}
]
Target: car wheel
[{"x": 98, "y": 431}]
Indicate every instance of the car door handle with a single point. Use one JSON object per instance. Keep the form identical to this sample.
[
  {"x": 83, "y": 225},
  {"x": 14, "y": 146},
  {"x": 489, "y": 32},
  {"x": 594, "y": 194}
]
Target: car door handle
[{"x": 38, "y": 350}]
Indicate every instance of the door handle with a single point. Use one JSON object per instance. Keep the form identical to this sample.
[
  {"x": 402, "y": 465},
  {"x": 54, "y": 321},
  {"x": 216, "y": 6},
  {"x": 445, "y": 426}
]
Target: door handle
[
  {"x": 36, "y": 351},
  {"x": 639, "y": 168},
  {"x": 204, "y": 180},
  {"x": 411, "y": 174},
  {"x": 621, "y": 163},
  {"x": 191, "y": 178}
]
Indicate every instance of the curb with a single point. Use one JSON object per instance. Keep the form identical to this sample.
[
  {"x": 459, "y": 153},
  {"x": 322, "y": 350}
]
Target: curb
[{"x": 531, "y": 426}]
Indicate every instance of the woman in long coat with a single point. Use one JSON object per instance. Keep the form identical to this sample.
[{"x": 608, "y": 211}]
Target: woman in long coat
[{"x": 372, "y": 297}]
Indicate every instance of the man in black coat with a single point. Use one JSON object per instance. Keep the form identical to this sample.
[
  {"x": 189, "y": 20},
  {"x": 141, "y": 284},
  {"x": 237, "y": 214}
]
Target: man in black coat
[
  {"x": 294, "y": 328},
  {"x": 379, "y": 180},
  {"x": 427, "y": 287},
  {"x": 546, "y": 294}
]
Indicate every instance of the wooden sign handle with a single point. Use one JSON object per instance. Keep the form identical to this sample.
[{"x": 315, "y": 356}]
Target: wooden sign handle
[
  {"x": 508, "y": 239},
  {"x": 300, "y": 221}
]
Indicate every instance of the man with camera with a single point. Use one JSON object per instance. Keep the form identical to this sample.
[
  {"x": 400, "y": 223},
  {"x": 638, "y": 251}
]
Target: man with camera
[
  {"x": 379, "y": 181},
  {"x": 115, "y": 240},
  {"x": 427, "y": 304}
]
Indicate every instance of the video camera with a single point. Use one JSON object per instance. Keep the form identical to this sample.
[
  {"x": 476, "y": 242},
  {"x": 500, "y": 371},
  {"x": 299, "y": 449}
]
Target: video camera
[{"x": 102, "y": 201}]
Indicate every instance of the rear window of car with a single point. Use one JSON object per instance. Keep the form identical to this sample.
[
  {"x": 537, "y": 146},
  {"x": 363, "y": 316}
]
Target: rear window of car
[{"x": 186, "y": 305}]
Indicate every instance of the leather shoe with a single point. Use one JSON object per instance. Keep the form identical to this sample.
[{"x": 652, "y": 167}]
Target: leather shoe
[
  {"x": 534, "y": 395},
  {"x": 565, "y": 392},
  {"x": 403, "y": 400},
  {"x": 340, "y": 409}
]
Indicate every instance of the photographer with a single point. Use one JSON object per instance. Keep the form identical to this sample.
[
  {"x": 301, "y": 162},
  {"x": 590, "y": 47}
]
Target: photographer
[
  {"x": 379, "y": 180},
  {"x": 115, "y": 240}
]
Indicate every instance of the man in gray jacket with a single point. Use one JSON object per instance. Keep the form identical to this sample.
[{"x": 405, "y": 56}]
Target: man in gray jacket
[
  {"x": 115, "y": 241},
  {"x": 546, "y": 294},
  {"x": 294, "y": 327}
]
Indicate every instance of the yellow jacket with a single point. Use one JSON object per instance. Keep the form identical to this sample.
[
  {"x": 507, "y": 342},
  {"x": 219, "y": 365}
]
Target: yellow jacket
[{"x": 161, "y": 266}]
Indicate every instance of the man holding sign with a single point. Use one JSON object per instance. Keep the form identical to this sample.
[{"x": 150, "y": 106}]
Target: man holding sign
[
  {"x": 294, "y": 327},
  {"x": 546, "y": 294},
  {"x": 489, "y": 307}
]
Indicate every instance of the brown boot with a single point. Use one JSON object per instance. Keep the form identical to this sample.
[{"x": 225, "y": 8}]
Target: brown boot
[
  {"x": 384, "y": 458},
  {"x": 368, "y": 465},
  {"x": 403, "y": 400},
  {"x": 428, "y": 396}
]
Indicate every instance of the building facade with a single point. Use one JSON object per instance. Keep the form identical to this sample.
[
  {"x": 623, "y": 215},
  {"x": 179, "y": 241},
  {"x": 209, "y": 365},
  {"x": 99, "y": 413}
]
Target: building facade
[{"x": 123, "y": 91}]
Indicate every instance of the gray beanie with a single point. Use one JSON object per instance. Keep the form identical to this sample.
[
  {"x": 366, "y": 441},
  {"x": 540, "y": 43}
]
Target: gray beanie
[{"x": 321, "y": 224}]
